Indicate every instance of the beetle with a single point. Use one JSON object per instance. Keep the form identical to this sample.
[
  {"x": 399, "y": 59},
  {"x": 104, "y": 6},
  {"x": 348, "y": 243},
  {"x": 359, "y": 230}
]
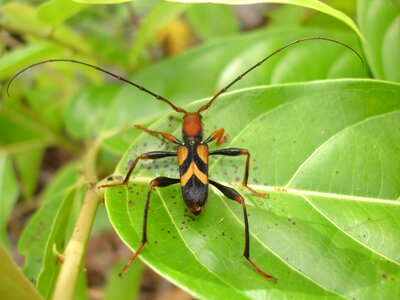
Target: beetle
[{"x": 192, "y": 154}]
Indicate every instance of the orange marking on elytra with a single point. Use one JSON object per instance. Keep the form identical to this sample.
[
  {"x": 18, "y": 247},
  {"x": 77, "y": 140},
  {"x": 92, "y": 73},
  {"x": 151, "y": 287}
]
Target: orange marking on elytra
[
  {"x": 202, "y": 152},
  {"x": 182, "y": 152},
  {"x": 193, "y": 170}
]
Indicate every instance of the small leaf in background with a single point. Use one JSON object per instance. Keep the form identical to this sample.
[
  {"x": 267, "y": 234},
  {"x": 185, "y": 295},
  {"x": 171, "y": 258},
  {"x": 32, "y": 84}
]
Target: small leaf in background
[
  {"x": 14, "y": 61},
  {"x": 313, "y": 234},
  {"x": 55, "y": 12},
  {"x": 380, "y": 23},
  {"x": 21, "y": 133},
  {"x": 162, "y": 14},
  {"x": 312, "y": 4},
  {"x": 175, "y": 37},
  {"x": 28, "y": 167},
  {"x": 85, "y": 114},
  {"x": 13, "y": 283},
  {"x": 126, "y": 287},
  {"x": 8, "y": 195},
  {"x": 221, "y": 20},
  {"x": 35, "y": 238},
  {"x": 64, "y": 219}
]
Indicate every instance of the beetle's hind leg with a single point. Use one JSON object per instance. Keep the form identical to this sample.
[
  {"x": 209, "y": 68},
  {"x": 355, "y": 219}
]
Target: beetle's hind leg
[
  {"x": 234, "y": 195},
  {"x": 160, "y": 182}
]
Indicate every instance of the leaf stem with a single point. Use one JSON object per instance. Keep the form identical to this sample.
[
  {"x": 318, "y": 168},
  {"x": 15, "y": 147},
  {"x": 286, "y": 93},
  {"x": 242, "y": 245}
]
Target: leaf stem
[{"x": 65, "y": 287}]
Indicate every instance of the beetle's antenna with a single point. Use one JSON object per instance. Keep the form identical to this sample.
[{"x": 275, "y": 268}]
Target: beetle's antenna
[
  {"x": 204, "y": 107},
  {"x": 158, "y": 97}
]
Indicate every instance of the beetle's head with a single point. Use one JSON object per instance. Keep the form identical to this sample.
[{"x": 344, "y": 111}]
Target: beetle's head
[{"x": 192, "y": 127}]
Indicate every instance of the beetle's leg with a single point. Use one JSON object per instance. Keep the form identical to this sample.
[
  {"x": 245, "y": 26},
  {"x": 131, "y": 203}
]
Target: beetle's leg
[
  {"x": 234, "y": 195},
  {"x": 144, "y": 156},
  {"x": 218, "y": 135},
  {"x": 167, "y": 136},
  {"x": 161, "y": 182},
  {"x": 236, "y": 152}
]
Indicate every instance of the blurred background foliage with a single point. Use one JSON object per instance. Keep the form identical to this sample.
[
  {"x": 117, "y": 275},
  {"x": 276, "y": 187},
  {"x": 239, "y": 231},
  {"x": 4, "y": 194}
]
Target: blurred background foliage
[{"x": 183, "y": 51}]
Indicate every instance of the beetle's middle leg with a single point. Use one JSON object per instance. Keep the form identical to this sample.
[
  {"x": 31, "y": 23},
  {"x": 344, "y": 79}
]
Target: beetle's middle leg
[
  {"x": 236, "y": 152},
  {"x": 161, "y": 182},
  {"x": 144, "y": 156}
]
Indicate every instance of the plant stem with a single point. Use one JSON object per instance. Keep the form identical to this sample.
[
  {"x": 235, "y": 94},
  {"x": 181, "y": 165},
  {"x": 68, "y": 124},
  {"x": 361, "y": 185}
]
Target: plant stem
[{"x": 65, "y": 287}]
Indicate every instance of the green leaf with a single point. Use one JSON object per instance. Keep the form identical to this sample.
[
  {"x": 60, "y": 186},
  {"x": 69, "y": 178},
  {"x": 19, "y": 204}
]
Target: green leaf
[
  {"x": 312, "y": 4},
  {"x": 28, "y": 167},
  {"x": 117, "y": 288},
  {"x": 21, "y": 133},
  {"x": 326, "y": 152},
  {"x": 86, "y": 112},
  {"x": 49, "y": 224},
  {"x": 8, "y": 195},
  {"x": 13, "y": 283},
  {"x": 183, "y": 77},
  {"x": 158, "y": 17},
  {"x": 21, "y": 17},
  {"x": 18, "y": 59},
  {"x": 221, "y": 20},
  {"x": 54, "y": 12},
  {"x": 382, "y": 37},
  {"x": 63, "y": 221}
]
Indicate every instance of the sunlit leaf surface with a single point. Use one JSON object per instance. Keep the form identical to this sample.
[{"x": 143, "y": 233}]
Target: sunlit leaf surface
[{"x": 327, "y": 154}]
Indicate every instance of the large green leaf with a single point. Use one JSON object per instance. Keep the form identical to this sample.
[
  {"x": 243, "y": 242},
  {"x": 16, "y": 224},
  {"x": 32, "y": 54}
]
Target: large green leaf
[
  {"x": 327, "y": 154},
  {"x": 380, "y": 23}
]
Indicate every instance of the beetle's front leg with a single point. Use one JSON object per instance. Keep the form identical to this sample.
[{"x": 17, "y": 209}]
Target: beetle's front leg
[
  {"x": 236, "y": 152},
  {"x": 217, "y": 135},
  {"x": 144, "y": 156},
  {"x": 166, "y": 136}
]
